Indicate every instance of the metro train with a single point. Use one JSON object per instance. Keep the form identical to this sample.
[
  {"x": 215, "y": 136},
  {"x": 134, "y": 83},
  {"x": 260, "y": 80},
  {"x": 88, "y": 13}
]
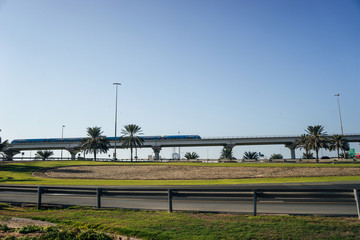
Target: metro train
[
  {"x": 146, "y": 138},
  {"x": 45, "y": 140}
]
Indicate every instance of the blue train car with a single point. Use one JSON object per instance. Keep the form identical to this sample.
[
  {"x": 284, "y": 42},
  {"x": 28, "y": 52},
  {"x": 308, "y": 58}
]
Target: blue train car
[
  {"x": 174, "y": 137},
  {"x": 151, "y": 138},
  {"x": 45, "y": 140},
  {"x": 146, "y": 138}
]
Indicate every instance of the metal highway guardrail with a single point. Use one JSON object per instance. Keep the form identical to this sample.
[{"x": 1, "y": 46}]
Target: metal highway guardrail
[{"x": 254, "y": 195}]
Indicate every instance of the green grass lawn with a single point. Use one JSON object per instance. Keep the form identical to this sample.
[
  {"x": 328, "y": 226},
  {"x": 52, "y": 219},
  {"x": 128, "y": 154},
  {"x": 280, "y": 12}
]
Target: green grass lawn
[
  {"x": 21, "y": 173},
  {"x": 191, "y": 225}
]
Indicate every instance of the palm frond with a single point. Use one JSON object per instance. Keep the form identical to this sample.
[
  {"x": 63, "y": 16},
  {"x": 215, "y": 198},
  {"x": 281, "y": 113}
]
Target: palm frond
[{"x": 251, "y": 155}]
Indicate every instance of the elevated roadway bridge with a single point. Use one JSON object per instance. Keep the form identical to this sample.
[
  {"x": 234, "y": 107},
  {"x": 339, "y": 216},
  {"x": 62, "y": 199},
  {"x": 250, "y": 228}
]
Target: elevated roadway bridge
[{"x": 157, "y": 143}]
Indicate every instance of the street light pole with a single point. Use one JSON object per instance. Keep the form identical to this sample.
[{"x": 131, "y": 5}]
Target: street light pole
[
  {"x": 337, "y": 95},
  {"x": 179, "y": 147},
  {"x": 62, "y": 138},
  {"x": 116, "y": 84}
]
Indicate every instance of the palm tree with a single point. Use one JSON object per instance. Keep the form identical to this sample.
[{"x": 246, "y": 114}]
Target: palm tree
[
  {"x": 251, "y": 155},
  {"x": 7, "y": 153},
  {"x": 308, "y": 156},
  {"x": 192, "y": 155},
  {"x": 130, "y": 139},
  {"x": 227, "y": 153},
  {"x": 304, "y": 143},
  {"x": 3, "y": 146},
  {"x": 44, "y": 155},
  {"x": 338, "y": 142},
  {"x": 95, "y": 142},
  {"x": 345, "y": 155},
  {"x": 317, "y": 138}
]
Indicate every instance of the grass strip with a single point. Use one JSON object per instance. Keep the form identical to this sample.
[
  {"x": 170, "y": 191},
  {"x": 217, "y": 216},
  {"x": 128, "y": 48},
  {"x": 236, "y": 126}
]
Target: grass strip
[
  {"x": 192, "y": 225},
  {"x": 21, "y": 173}
]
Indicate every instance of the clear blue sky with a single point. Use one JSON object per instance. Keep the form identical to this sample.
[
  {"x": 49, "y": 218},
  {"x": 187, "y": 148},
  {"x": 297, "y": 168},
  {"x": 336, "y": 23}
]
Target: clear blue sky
[{"x": 212, "y": 68}]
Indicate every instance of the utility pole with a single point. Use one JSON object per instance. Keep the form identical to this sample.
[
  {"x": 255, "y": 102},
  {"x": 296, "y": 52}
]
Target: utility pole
[
  {"x": 62, "y": 138},
  {"x": 337, "y": 95},
  {"x": 116, "y": 84},
  {"x": 179, "y": 147}
]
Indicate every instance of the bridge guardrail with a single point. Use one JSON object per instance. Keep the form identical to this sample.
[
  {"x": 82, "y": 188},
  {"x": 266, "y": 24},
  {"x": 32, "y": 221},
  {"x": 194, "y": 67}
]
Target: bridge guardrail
[{"x": 255, "y": 195}]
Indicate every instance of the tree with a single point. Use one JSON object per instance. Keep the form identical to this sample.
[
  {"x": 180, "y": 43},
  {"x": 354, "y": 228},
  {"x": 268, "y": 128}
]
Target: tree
[
  {"x": 277, "y": 156},
  {"x": 345, "y": 155},
  {"x": 43, "y": 155},
  {"x": 227, "y": 153},
  {"x": 338, "y": 142},
  {"x": 317, "y": 139},
  {"x": 251, "y": 155},
  {"x": 7, "y": 153},
  {"x": 308, "y": 156},
  {"x": 3, "y": 147},
  {"x": 304, "y": 143},
  {"x": 130, "y": 138},
  {"x": 95, "y": 142},
  {"x": 192, "y": 155}
]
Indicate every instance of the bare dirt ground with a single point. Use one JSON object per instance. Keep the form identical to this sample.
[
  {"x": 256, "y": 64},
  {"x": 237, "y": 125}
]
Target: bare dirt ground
[
  {"x": 14, "y": 222},
  {"x": 151, "y": 172}
]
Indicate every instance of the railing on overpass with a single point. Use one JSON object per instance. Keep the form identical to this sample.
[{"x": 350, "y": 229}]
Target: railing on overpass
[
  {"x": 266, "y": 136},
  {"x": 254, "y": 195}
]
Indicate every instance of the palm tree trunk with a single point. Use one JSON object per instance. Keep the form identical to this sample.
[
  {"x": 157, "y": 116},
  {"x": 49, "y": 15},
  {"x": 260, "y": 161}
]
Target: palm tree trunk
[
  {"x": 338, "y": 152},
  {"x": 94, "y": 155},
  {"x": 307, "y": 153},
  {"x": 131, "y": 153},
  {"x": 317, "y": 155}
]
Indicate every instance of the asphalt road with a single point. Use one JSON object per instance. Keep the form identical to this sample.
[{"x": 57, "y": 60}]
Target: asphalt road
[{"x": 231, "y": 205}]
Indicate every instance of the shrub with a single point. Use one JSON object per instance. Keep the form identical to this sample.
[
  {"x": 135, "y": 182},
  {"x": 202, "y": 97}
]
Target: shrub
[
  {"x": 74, "y": 233},
  {"x": 92, "y": 235},
  {"x": 30, "y": 229},
  {"x": 4, "y": 227},
  {"x": 10, "y": 238},
  {"x": 277, "y": 156},
  {"x": 4, "y": 206}
]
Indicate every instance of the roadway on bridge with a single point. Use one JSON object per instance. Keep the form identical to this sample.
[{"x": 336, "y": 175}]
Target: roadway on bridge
[{"x": 231, "y": 205}]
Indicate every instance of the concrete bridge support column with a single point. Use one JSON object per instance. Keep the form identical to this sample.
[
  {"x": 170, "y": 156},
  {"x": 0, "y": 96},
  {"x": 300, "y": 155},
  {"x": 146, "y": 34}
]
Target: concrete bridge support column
[
  {"x": 73, "y": 153},
  {"x": 291, "y": 146},
  {"x": 229, "y": 147},
  {"x": 156, "y": 150},
  {"x": 292, "y": 152}
]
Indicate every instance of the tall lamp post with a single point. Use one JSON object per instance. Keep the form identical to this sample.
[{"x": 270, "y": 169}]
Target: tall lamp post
[
  {"x": 116, "y": 84},
  {"x": 337, "y": 95},
  {"x": 62, "y": 138},
  {"x": 179, "y": 147}
]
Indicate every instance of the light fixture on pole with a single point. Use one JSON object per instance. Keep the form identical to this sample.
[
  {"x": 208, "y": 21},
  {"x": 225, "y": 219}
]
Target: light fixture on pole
[
  {"x": 116, "y": 84},
  {"x": 337, "y": 95},
  {"x": 62, "y": 138}
]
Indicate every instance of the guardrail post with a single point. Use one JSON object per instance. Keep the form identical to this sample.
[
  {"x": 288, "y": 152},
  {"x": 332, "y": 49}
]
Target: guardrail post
[
  {"x": 356, "y": 195},
  {"x": 255, "y": 202},
  {"x": 170, "y": 196},
  {"x": 98, "y": 197},
  {"x": 40, "y": 192}
]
